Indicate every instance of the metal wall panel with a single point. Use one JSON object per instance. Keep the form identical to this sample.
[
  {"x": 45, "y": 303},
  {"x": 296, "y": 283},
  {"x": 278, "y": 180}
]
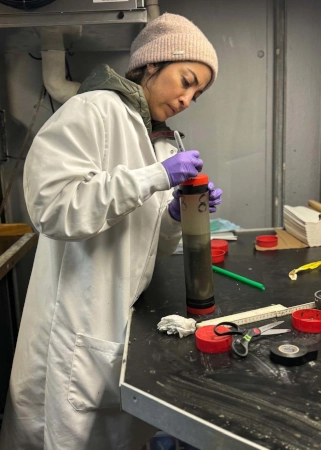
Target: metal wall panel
[
  {"x": 74, "y": 25},
  {"x": 113, "y": 35},
  {"x": 67, "y": 6},
  {"x": 231, "y": 123},
  {"x": 303, "y": 158}
]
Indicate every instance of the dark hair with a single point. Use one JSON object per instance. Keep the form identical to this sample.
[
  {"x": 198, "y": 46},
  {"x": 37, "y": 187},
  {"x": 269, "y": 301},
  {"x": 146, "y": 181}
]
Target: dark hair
[{"x": 136, "y": 75}]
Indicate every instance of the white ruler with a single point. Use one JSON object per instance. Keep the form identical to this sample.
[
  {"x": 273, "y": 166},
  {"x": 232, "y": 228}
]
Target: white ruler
[{"x": 257, "y": 314}]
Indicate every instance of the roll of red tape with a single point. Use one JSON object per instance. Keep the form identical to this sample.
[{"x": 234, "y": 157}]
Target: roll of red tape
[
  {"x": 307, "y": 320},
  {"x": 209, "y": 342}
]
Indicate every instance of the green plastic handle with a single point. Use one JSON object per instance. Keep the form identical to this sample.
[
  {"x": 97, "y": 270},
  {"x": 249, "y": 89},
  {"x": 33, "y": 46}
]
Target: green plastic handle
[{"x": 238, "y": 277}]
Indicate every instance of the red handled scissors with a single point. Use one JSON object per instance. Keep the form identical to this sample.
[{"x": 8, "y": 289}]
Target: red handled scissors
[{"x": 240, "y": 346}]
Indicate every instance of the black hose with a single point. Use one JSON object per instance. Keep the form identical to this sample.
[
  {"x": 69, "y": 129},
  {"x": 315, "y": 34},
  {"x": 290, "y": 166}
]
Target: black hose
[
  {"x": 35, "y": 57},
  {"x": 26, "y": 4}
]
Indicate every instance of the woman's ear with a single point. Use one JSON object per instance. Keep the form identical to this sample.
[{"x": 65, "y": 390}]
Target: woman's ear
[{"x": 151, "y": 69}]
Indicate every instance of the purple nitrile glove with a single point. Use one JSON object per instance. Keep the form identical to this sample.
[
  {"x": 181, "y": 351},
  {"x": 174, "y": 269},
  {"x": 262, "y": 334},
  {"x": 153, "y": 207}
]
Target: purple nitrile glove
[
  {"x": 183, "y": 166},
  {"x": 214, "y": 198},
  {"x": 174, "y": 208}
]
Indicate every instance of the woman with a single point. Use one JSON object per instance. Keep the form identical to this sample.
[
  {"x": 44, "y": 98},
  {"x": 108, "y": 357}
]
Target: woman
[{"x": 97, "y": 186}]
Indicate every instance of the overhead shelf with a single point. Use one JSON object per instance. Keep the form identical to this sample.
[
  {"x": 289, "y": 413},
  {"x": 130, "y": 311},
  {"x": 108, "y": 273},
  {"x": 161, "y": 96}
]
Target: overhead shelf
[{"x": 80, "y": 26}]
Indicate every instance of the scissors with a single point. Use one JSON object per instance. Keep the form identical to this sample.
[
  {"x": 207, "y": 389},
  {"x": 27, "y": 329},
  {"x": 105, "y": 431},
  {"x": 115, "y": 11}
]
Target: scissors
[{"x": 240, "y": 346}]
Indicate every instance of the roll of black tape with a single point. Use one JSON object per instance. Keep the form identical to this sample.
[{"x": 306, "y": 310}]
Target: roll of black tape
[{"x": 291, "y": 354}]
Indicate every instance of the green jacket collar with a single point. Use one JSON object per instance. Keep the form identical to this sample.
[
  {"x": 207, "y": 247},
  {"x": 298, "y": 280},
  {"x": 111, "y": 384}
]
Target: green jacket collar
[{"x": 105, "y": 78}]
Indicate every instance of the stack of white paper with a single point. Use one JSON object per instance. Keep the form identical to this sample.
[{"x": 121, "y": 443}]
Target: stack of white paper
[
  {"x": 303, "y": 223},
  {"x": 225, "y": 235}
]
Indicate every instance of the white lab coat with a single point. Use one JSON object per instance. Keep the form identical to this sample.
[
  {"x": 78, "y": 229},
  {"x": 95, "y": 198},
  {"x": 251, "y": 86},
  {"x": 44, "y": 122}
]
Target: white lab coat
[{"x": 98, "y": 195}]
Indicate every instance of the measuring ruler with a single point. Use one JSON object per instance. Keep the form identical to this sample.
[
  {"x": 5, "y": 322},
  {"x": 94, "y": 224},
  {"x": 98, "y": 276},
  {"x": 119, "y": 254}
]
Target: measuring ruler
[{"x": 257, "y": 314}]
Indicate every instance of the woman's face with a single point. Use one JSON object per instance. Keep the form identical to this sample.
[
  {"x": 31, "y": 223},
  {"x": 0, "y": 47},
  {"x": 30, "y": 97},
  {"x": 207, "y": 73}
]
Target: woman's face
[{"x": 171, "y": 90}]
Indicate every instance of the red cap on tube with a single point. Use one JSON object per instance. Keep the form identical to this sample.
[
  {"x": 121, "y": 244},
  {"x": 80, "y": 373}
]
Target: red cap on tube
[{"x": 200, "y": 179}]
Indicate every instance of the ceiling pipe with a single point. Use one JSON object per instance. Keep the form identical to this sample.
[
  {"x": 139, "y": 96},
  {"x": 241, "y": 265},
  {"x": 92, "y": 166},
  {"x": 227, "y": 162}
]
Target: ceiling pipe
[
  {"x": 54, "y": 62},
  {"x": 152, "y": 8},
  {"x": 54, "y": 76}
]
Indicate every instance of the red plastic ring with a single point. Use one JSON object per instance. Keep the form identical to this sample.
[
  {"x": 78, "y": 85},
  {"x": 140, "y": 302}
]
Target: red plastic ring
[
  {"x": 307, "y": 320},
  {"x": 209, "y": 342},
  {"x": 267, "y": 241},
  {"x": 219, "y": 244},
  {"x": 217, "y": 255}
]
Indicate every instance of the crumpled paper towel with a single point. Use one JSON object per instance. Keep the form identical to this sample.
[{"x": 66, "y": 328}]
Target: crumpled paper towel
[{"x": 177, "y": 324}]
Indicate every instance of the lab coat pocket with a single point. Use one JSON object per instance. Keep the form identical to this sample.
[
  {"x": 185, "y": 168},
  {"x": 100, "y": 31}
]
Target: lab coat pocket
[{"x": 95, "y": 371}]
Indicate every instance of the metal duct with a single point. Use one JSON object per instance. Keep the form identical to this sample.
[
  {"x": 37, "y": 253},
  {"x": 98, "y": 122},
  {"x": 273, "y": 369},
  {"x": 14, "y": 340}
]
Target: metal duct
[
  {"x": 26, "y": 4},
  {"x": 152, "y": 9}
]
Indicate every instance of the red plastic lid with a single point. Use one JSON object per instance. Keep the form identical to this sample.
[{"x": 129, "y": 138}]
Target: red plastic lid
[
  {"x": 209, "y": 342},
  {"x": 200, "y": 179},
  {"x": 217, "y": 255},
  {"x": 267, "y": 241},
  {"x": 219, "y": 244},
  {"x": 307, "y": 320}
]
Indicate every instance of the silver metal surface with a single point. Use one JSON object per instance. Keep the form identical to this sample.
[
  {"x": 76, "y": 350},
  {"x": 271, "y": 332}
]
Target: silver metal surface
[
  {"x": 278, "y": 113},
  {"x": 317, "y": 299},
  {"x": 81, "y": 26},
  {"x": 3, "y": 137},
  {"x": 94, "y": 32},
  {"x": 179, "y": 141},
  {"x": 179, "y": 423},
  {"x": 80, "y": 18},
  {"x": 280, "y": 331},
  {"x": 72, "y": 6},
  {"x": 269, "y": 326}
]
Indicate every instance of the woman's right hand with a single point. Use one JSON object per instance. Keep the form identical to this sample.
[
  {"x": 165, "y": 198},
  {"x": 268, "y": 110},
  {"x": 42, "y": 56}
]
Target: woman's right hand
[{"x": 183, "y": 166}]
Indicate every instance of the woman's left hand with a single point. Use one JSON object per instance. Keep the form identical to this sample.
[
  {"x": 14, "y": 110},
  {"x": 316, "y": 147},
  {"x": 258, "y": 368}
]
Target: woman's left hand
[{"x": 214, "y": 198}]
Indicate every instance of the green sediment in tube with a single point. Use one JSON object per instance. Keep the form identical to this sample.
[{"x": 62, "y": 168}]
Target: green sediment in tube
[{"x": 238, "y": 277}]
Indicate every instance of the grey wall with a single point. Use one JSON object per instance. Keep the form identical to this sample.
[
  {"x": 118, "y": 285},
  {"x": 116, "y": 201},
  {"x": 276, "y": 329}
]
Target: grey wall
[
  {"x": 303, "y": 102},
  {"x": 231, "y": 124}
]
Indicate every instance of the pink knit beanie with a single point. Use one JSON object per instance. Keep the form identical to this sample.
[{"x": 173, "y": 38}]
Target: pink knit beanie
[{"x": 171, "y": 37}]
